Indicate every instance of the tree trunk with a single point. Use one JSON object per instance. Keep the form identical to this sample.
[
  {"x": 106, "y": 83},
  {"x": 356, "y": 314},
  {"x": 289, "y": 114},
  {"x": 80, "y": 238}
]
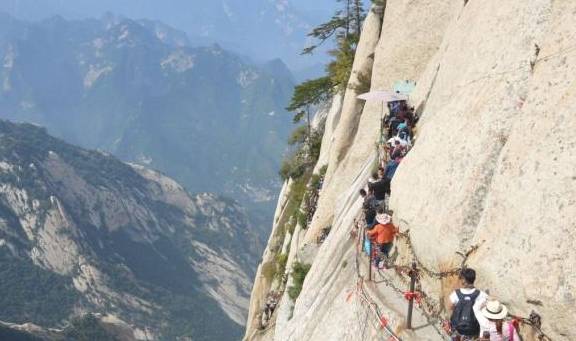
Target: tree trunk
[
  {"x": 348, "y": 15},
  {"x": 308, "y": 122},
  {"x": 309, "y": 139},
  {"x": 358, "y": 8}
]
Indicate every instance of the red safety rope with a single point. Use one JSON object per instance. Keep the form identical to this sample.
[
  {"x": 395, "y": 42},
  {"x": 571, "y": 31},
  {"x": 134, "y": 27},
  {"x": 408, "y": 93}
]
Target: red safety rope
[
  {"x": 383, "y": 322},
  {"x": 416, "y": 296}
]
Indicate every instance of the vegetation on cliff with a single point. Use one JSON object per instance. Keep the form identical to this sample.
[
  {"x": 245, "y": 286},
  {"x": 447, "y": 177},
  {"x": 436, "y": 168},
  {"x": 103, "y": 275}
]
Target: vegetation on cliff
[
  {"x": 98, "y": 236},
  {"x": 298, "y": 166}
]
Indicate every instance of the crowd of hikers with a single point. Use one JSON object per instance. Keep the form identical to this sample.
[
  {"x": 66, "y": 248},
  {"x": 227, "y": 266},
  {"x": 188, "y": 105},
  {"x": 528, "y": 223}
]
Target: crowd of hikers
[
  {"x": 380, "y": 231},
  {"x": 474, "y": 316}
]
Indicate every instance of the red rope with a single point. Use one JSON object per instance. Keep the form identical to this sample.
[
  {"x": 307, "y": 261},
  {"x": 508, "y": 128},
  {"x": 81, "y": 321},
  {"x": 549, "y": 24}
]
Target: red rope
[
  {"x": 516, "y": 323},
  {"x": 383, "y": 322},
  {"x": 409, "y": 295}
]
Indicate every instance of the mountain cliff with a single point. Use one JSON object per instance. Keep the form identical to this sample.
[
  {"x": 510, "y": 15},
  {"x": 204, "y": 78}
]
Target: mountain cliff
[
  {"x": 81, "y": 231},
  {"x": 136, "y": 88},
  {"x": 490, "y": 178}
]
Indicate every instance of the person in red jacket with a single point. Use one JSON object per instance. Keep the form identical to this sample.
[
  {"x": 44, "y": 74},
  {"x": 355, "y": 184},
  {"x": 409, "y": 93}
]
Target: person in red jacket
[{"x": 383, "y": 233}]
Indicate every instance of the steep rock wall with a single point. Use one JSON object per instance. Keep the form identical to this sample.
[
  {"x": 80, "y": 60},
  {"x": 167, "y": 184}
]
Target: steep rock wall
[
  {"x": 492, "y": 164},
  {"x": 327, "y": 118},
  {"x": 346, "y": 126},
  {"x": 495, "y": 156},
  {"x": 263, "y": 283},
  {"x": 390, "y": 51}
]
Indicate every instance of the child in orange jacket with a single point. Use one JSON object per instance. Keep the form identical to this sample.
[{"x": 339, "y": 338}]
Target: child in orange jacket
[{"x": 383, "y": 233}]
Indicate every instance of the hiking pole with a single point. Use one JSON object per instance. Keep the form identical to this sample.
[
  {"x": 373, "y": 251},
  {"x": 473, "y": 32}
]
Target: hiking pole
[{"x": 413, "y": 275}]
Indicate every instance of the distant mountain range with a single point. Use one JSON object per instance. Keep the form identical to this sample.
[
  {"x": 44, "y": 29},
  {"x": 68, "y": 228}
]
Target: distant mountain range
[
  {"x": 81, "y": 231},
  {"x": 261, "y": 29},
  {"x": 205, "y": 116}
]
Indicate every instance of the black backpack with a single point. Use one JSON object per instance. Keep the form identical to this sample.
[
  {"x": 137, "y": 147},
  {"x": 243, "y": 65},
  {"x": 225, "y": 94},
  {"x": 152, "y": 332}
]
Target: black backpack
[{"x": 463, "y": 319}]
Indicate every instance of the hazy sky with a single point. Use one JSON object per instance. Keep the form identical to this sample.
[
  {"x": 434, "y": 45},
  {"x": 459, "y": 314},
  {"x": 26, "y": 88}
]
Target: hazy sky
[
  {"x": 261, "y": 29},
  {"x": 152, "y": 9}
]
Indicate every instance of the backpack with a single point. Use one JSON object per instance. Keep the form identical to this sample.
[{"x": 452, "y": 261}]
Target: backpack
[
  {"x": 373, "y": 204},
  {"x": 463, "y": 319}
]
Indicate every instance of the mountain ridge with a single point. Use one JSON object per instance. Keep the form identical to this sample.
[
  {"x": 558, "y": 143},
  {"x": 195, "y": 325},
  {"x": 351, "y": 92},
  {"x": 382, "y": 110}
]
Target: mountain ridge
[
  {"x": 139, "y": 90},
  {"x": 80, "y": 231},
  {"x": 234, "y": 24}
]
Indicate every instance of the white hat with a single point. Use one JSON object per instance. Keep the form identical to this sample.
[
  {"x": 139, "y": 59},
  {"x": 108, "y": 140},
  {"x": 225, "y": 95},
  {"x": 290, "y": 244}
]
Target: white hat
[
  {"x": 495, "y": 310},
  {"x": 383, "y": 218}
]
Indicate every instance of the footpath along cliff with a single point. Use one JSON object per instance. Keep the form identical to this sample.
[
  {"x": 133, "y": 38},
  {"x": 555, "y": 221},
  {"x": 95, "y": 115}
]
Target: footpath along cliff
[{"x": 491, "y": 176}]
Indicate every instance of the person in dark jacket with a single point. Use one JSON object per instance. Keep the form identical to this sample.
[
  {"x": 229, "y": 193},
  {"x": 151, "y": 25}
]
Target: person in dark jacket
[
  {"x": 393, "y": 128},
  {"x": 380, "y": 186},
  {"x": 369, "y": 206}
]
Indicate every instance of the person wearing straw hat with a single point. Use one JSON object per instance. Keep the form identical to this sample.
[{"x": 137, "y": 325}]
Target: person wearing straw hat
[
  {"x": 492, "y": 323},
  {"x": 383, "y": 233}
]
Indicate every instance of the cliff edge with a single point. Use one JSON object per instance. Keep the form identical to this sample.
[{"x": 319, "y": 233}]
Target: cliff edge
[{"x": 490, "y": 176}]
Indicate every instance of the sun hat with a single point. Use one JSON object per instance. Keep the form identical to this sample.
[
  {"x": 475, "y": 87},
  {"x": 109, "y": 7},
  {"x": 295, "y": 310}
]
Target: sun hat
[
  {"x": 383, "y": 218},
  {"x": 495, "y": 310}
]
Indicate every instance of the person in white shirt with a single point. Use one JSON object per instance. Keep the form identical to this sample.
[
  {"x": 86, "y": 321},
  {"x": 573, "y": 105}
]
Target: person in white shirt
[
  {"x": 466, "y": 304},
  {"x": 492, "y": 324}
]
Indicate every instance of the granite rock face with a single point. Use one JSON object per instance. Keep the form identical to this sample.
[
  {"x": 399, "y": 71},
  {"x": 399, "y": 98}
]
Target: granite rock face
[
  {"x": 492, "y": 166},
  {"x": 494, "y": 161}
]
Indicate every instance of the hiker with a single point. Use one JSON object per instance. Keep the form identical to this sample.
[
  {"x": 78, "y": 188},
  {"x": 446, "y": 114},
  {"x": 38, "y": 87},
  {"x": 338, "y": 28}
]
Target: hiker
[
  {"x": 391, "y": 167},
  {"x": 392, "y": 142},
  {"x": 395, "y": 107},
  {"x": 404, "y": 129},
  {"x": 383, "y": 235},
  {"x": 380, "y": 186},
  {"x": 369, "y": 206},
  {"x": 393, "y": 128},
  {"x": 466, "y": 304},
  {"x": 404, "y": 138},
  {"x": 398, "y": 151},
  {"x": 410, "y": 117},
  {"x": 492, "y": 323},
  {"x": 270, "y": 306}
]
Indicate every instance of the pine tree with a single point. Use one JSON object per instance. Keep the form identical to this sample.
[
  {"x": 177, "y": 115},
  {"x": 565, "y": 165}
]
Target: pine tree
[
  {"x": 359, "y": 16},
  {"x": 307, "y": 95},
  {"x": 344, "y": 27},
  {"x": 324, "y": 32}
]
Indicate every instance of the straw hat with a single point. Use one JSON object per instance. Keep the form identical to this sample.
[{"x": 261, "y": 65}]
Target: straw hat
[
  {"x": 495, "y": 310},
  {"x": 383, "y": 218}
]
